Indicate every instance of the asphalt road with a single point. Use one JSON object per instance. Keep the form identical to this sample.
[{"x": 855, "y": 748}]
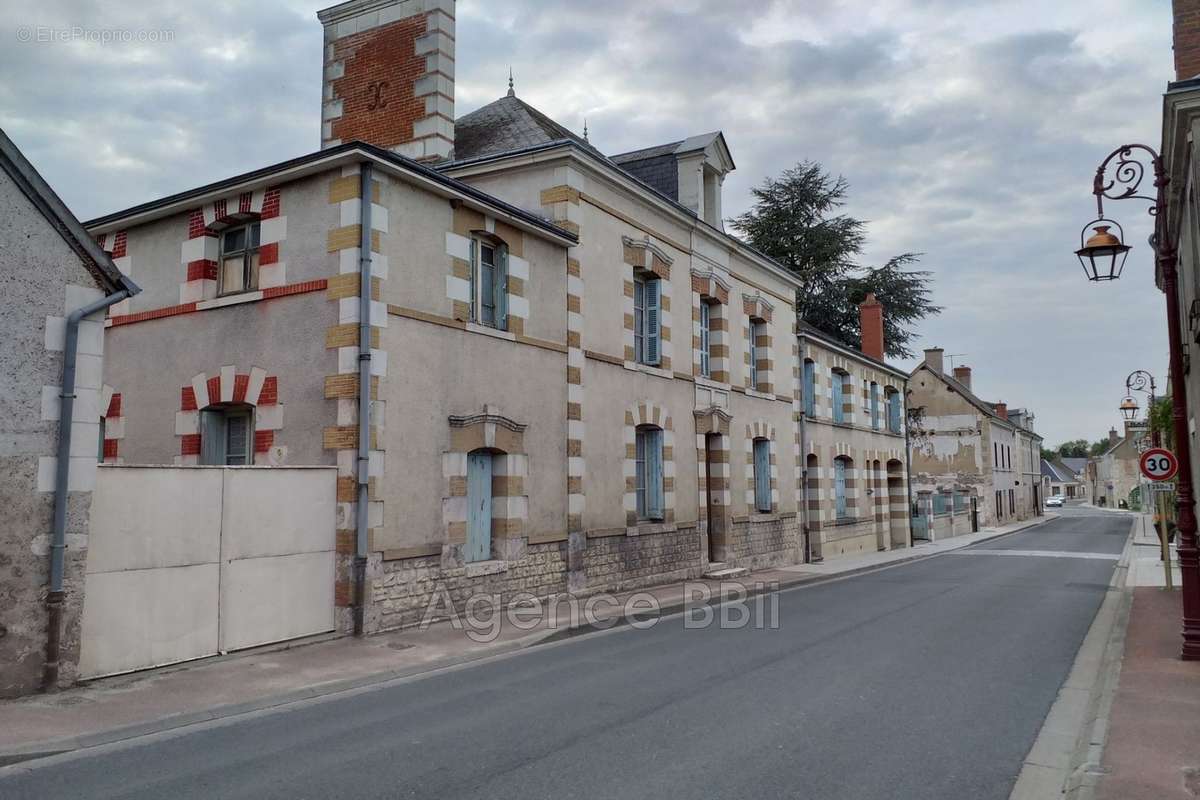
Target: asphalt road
[{"x": 928, "y": 680}]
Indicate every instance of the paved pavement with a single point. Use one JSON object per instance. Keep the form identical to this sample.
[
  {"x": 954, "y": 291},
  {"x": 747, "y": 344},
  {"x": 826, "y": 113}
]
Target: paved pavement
[{"x": 927, "y": 680}]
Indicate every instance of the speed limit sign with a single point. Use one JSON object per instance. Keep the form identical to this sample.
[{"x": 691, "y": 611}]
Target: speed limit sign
[{"x": 1158, "y": 464}]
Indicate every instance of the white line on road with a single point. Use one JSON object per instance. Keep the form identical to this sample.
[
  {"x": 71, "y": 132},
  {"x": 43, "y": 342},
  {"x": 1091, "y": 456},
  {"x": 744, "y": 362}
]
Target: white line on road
[{"x": 1043, "y": 553}]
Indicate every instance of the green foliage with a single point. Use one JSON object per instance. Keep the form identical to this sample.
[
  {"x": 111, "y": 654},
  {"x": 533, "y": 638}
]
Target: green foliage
[
  {"x": 1077, "y": 448},
  {"x": 1098, "y": 447},
  {"x": 1161, "y": 421},
  {"x": 796, "y": 220}
]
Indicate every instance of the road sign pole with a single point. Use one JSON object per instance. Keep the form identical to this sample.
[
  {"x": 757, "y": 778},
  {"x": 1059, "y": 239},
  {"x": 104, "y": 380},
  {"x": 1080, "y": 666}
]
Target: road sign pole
[{"x": 1162, "y": 537}]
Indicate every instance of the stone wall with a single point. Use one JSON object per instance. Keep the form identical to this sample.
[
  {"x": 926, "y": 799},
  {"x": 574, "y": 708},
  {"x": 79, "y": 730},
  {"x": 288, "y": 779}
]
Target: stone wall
[
  {"x": 759, "y": 543},
  {"x": 622, "y": 562},
  {"x": 848, "y": 538}
]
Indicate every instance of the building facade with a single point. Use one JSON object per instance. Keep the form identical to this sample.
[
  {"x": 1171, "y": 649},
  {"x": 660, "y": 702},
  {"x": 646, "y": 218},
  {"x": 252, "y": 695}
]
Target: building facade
[
  {"x": 852, "y": 435},
  {"x": 50, "y": 270},
  {"x": 1116, "y": 474},
  {"x": 971, "y": 461}
]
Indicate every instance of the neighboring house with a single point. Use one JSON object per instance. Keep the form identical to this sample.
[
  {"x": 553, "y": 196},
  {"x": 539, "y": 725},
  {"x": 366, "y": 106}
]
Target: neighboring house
[
  {"x": 598, "y": 393},
  {"x": 1059, "y": 478},
  {"x": 968, "y": 455},
  {"x": 1116, "y": 469},
  {"x": 853, "y": 438},
  {"x": 49, "y": 268}
]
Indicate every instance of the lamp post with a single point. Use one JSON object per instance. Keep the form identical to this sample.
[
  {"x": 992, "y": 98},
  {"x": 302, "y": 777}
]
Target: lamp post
[
  {"x": 1140, "y": 381},
  {"x": 1103, "y": 256}
]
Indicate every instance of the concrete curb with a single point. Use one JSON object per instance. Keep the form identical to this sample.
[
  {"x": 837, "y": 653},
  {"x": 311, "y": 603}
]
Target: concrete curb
[
  {"x": 1065, "y": 760},
  {"x": 36, "y": 750}
]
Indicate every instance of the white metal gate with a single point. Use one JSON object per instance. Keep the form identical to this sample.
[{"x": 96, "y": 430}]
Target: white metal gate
[{"x": 186, "y": 562}]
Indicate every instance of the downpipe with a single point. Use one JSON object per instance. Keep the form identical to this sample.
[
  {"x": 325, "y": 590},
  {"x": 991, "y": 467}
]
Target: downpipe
[
  {"x": 62, "y": 474},
  {"x": 364, "y": 398}
]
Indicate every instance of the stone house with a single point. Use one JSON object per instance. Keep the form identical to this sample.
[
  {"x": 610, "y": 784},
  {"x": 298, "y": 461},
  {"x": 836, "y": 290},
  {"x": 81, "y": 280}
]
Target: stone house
[
  {"x": 55, "y": 282},
  {"x": 971, "y": 461},
  {"x": 852, "y": 435},
  {"x": 1116, "y": 471},
  {"x": 571, "y": 378},
  {"x": 1059, "y": 478}
]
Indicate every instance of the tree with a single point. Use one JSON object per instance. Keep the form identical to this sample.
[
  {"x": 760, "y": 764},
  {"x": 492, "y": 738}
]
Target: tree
[
  {"x": 796, "y": 220},
  {"x": 1077, "y": 448},
  {"x": 1099, "y": 447}
]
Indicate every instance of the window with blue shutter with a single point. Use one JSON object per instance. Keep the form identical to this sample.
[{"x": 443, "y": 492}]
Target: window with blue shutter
[
  {"x": 489, "y": 284},
  {"x": 649, "y": 473},
  {"x": 473, "y": 280},
  {"x": 810, "y": 388},
  {"x": 502, "y": 287},
  {"x": 705, "y": 338},
  {"x": 647, "y": 293},
  {"x": 875, "y": 405},
  {"x": 839, "y": 487},
  {"x": 762, "y": 475},
  {"x": 226, "y": 433},
  {"x": 756, "y": 330},
  {"x": 893, "y": 400}
]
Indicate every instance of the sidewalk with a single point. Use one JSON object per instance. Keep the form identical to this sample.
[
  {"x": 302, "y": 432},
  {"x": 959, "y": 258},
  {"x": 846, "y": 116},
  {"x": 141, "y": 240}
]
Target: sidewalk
[
  {"x": 1153, "y": 746},
  {"x": 113, "y": 709},
  {"x": 1146, "y": 567}
]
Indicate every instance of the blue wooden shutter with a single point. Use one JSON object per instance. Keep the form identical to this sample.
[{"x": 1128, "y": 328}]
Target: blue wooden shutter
[
  {"x": 652, "y": 321},
  {"x": 212, "y": 437},
  {"x": 810, "y": 388},
  {"x": 237, "y": 440},
  {"x": 640, "y": 473},
  {"x": 479, "y": 506},
  {"x": 705, "y": 324},
  {"x": 502, "y": 287},
  {"x": 654, "y": 474},
  {"x": 639, "y": 324},
  {"x": 894, "y": 412},
  {"x": 762, "y": 474},
  {"x": 471, "y": 280},
  {"x": 838, "y": 386}
]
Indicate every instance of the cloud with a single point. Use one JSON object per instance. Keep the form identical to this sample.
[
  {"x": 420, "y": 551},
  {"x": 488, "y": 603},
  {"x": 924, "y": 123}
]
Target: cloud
[{"x": 968, "y": 131}]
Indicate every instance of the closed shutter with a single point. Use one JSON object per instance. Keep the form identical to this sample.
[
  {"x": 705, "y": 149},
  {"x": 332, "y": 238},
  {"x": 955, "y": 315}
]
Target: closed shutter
[
  {"x": 474, "y": 269},
  {"x": 502, "y": 288},
  {"x": 875, "y": 406},
  {"x": 810, "y": 388},
  {"x": 762, "y": 475},
  {"x": 654, "y": 474},
  {"x": 237, "y": 439},
  {"x": 705, "y": 321},
  {"x": 212, "y": 437},
  {"x": 839, "y": 487},
  {"x": 838, "y": 385},
  {"x": 652, "y": 321},
  {"x": 479, "y": 506},
  {"x": 640, "y": 473},
  {"x": 639, "y": 325}
]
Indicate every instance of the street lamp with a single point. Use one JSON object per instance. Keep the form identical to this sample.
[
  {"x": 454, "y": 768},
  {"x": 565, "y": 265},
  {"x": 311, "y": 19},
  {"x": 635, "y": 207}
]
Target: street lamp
[
  {"x": 1129, "y": 409},
  {"x": 1102, "y": 259}
]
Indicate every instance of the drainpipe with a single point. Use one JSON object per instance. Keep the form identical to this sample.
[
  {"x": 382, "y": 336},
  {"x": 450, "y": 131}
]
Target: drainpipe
[
  {"x": 62, "y": 473},
  {"x": 364, "y": 397}
]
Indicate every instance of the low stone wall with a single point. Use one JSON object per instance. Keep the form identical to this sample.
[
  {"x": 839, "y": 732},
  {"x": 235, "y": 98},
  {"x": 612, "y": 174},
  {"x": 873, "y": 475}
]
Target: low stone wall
[
  {"x": 760, "y": 543},
  {"x": 849, "y": 538},
  {"x": 405, "y": 588},
  {"x": 623, "y": 562},
  {"x": 945, "y": 526}
]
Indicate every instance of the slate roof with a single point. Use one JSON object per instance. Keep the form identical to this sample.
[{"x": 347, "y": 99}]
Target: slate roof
[
  {"x": 1056, "y": 471},
  {"x": 1076, "y": 465},
  {"x": 507, "y": 124},
  {"x": 660, "y": 171},
  {"x": 808, "y": 329},
  {"x": 31, "y": 184}
]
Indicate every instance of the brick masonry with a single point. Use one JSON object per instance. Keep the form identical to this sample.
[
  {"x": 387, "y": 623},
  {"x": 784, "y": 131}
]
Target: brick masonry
[{"x": 620, "y": 563}]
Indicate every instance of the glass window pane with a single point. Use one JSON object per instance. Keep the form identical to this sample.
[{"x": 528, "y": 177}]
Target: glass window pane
[
  {"x": 254, "y": 235},
  {"x": 488, "y": 254},
  {"x": 232, "y": 278},
  {"x": 235, "y": 240},
  {"x": 487, "y": 288},
  {"x": 252, "y": 277},
  {"x": 237, "y": 447}
]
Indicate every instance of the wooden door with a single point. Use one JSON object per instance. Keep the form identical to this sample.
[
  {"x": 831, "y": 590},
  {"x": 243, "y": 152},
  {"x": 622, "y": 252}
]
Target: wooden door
[{"x": 479, "y": 506}]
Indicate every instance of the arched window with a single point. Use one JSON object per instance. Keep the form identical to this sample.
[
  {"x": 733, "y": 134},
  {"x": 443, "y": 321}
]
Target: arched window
[
  {"x": 649, "y": 472},
  {"x": 227, "y": 434}
]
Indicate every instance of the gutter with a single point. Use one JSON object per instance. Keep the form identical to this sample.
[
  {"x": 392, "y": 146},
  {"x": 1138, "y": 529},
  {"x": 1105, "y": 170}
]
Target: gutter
[
  {"x": 364, "y": 396},
  {"x": 62, "y": 474}
]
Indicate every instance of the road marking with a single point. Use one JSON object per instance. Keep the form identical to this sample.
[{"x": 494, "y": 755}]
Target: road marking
[{"x": 1042, "y": 553}]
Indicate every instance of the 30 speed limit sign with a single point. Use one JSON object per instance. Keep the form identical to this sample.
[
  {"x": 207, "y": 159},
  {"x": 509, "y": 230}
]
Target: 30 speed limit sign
[{"x": 1158, "y": 464}]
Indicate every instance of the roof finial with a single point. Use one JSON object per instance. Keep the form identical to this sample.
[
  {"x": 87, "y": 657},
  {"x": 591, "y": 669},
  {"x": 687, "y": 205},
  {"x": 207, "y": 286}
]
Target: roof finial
[
  {"x": 585, "y": 129},
  {"x": 511, "y": 93}
]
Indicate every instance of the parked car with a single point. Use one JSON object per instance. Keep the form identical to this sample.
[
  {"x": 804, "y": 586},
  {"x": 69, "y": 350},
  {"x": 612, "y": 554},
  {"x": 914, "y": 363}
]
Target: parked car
[{"x": 1055, "y": 501}]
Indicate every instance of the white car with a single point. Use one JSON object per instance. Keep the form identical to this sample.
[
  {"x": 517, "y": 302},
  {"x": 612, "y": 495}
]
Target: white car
[{"x": 1054, "y": 502}]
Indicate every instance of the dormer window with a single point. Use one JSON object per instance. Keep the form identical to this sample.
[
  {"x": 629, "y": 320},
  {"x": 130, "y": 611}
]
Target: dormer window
[{"x": 239, "y": 258}]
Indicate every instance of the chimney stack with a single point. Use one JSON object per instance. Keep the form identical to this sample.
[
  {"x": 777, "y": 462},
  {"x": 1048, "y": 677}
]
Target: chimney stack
[
  {"x": 870, "y": 323},
  {"x": 933, "y": 359},
  {"x": 389, "y": 76},
  {"x": 1002, "y": 410},
  {"x": 963, "y": 376},
  {"x": 1186, "y": 38},
  {"x": 1113, "y": 437}
]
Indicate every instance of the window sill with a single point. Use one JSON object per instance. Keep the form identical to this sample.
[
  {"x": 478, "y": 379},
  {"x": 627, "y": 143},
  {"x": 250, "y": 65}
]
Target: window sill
[
  {"x": 758, "y": 394},
  {"x": 230, "y": 300},
  {"x": 650, "y": 527},
  {"x": 475, "y": 327},
  {"x": 657, "y": 372},
  {"x": 709, "y": 383},
  {"x": 843, "y": 521}
]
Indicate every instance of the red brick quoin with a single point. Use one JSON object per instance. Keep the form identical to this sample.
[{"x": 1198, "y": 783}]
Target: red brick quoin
[{"x": 189, "y": 443}]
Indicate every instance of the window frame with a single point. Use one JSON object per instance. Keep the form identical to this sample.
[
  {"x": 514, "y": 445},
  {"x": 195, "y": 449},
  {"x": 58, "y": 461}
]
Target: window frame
[
  {"x": 650, "y": 499},
  {"x": 841, "y": 508},
  {"x": 841, "y": 383},
  {"x": 499, "y": 282},
  {"x": 757, "y": 327},
  {"x": 225, "y": 412},
  {"x": 249, "y": 255},
  {"x": 895, "y": 410},
  {"x": 647, "y": 319},
  {"x": 875, "y": 411},
  {"x": 810, "y": 387},
  {"x": 705, "y": 338}
]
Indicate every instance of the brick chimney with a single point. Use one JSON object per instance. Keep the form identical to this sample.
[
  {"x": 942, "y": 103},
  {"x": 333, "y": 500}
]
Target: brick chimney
[
  {"x": 389, "y": 76},
  {"x": 1186, "y": 36},
  {"x": 870, "y": 324},
  {"x": 1002, "y": 410},
  {"x": 963, "y": 375},
  {"x": 1113, "y": 436},
  {"x": 933, "y": 359}
]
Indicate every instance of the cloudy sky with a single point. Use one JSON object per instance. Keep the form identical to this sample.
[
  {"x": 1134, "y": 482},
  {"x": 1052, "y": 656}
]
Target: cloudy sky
[{"x": 968, "y": 131}]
